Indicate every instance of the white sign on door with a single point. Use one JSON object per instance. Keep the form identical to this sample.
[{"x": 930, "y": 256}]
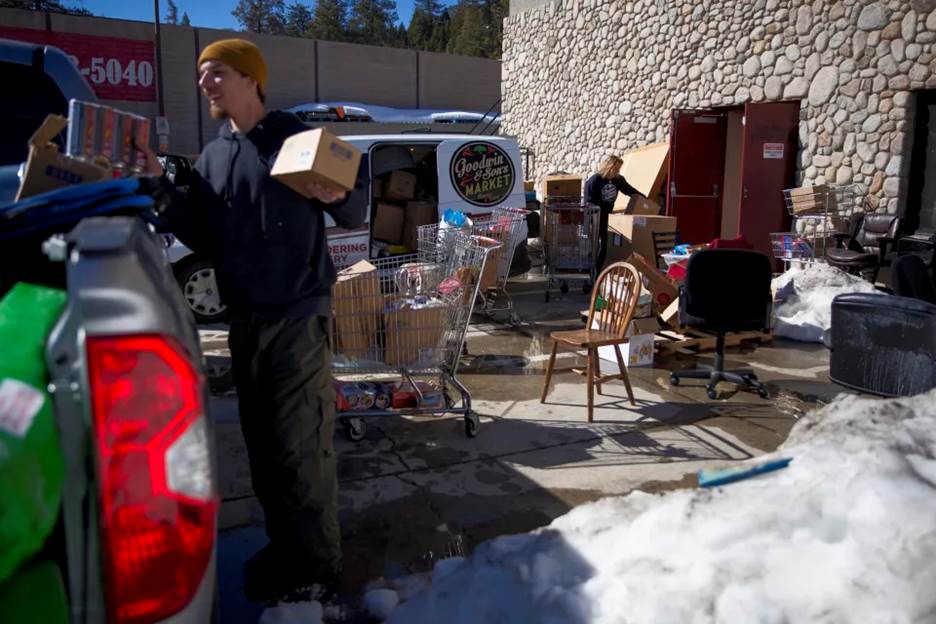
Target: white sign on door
[{"x": 773, "y": 151}]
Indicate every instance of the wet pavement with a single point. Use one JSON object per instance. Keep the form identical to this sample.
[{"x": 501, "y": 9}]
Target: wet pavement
[{"x": 416, "y": 490}]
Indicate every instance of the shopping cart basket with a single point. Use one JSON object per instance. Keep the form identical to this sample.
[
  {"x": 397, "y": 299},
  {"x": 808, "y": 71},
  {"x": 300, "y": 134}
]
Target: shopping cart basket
[
  {"x": 404, "y": 319},
  {"x": 570, "y": 241}
]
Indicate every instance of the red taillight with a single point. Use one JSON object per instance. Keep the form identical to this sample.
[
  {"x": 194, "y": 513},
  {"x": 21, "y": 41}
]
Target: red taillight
[{"x": 158, "y": 500}]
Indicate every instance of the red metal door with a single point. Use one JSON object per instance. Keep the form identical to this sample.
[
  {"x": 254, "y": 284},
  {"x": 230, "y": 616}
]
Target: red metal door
[
  {"x": 696, "y": 173},
  {"x": 768, "y": 165}
]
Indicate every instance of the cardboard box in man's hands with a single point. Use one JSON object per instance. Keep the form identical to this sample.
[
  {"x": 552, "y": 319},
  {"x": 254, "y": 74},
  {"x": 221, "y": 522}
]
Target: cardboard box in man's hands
[{"x": 316, "y": 156}]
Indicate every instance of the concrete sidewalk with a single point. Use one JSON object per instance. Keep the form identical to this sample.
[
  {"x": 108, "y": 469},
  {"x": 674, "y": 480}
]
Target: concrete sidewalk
[{"x": 415, "y": 490}]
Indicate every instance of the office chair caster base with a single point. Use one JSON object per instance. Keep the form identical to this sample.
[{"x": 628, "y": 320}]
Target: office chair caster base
[
  {"x": 712, "y": 393},
  {"x": 673, "y": 380}
]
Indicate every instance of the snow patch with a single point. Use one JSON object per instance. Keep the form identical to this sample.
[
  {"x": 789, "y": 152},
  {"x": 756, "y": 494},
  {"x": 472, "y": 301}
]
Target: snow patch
[
  {"x": 804, "y": 312},
  {"x": 293, "y": 613},
  {"x": 844, "y": 534}
]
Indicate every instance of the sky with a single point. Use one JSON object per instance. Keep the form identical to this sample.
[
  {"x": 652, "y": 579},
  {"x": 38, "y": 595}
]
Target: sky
[{"x": 209, "y": 14}]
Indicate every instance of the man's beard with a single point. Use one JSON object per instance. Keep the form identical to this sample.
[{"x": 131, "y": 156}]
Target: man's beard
[{"x": 217, "y": 112}]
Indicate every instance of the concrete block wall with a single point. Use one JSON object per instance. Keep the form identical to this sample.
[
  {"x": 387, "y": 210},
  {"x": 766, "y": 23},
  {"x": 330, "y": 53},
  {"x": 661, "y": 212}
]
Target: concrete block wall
[{"x": 300, "y": 71}]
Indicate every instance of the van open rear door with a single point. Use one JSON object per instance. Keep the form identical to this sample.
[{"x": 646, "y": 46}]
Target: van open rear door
[{"x": 478, "y": 175}]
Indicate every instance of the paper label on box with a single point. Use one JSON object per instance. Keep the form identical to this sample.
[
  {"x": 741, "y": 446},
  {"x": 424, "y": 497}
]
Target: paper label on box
[
  {"x": 19, "y": 404},
  {"x": 773, "y": 151},
  {"x": 641, "y": 221},
  {"x": 304, "y": 159},
  {"x": 340, "y": 151}
]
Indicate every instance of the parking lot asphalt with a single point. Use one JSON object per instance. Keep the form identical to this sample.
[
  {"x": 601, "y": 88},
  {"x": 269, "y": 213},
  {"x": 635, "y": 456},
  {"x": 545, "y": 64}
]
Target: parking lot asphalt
[{"x": 416, "y": 490}]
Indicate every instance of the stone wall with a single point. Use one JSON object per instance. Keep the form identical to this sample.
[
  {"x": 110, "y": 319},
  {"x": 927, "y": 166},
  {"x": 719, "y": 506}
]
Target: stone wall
[{"x": 582, "y": 78}]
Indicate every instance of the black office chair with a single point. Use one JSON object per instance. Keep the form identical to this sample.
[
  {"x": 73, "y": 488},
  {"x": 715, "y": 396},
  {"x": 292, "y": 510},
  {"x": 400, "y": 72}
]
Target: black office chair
[{"x": 726, "y": 290}]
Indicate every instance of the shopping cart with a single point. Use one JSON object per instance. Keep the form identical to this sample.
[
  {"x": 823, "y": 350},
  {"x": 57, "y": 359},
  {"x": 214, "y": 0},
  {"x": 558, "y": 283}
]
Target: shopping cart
[
  {"x": 570, "y": 241},
  {"x": 817, "y": 214},
  {"x": 399, "y": 328},
  {"x": 508, "y": 227}
]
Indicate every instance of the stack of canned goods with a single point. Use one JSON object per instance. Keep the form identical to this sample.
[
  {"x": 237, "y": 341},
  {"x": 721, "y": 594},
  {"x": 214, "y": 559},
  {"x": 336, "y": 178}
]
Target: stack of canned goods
[{"x": 97, "y": 132}]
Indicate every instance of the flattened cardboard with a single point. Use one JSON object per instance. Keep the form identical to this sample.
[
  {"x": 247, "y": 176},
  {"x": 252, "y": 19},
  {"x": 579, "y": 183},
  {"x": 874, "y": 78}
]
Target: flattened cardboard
[
  {"x": 48, "y": 169},
  {"x": 635, "y": 204},
  {"x": 316, "y": 156},
  {"x": 645, "y": 168},
  {"x": 638, "y": 229}
]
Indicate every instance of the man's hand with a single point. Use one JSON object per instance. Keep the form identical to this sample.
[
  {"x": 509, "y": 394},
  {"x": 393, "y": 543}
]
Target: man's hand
[
  {"x": 153, "y": 167},
  {"x": 326, "y": 194}
]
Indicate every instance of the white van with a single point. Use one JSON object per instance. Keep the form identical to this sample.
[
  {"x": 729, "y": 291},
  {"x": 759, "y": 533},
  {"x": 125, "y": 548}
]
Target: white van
[{"x": 471, "y": 173}]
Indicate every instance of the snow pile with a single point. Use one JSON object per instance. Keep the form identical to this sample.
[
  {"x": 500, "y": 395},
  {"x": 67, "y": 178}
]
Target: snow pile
[
  {"x": 846, "y": 533},
  {"x": 804, "y": 312},
  {"x": 293, "y": 613}
]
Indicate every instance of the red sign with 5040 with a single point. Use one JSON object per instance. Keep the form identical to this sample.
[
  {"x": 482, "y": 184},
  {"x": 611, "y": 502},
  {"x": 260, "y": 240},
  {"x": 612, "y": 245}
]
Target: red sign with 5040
[{"x": 116, "y": 68}]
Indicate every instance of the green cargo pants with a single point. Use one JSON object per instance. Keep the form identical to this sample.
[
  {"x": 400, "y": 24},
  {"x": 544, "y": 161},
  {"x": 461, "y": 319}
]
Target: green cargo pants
[{"x": 282, "y": 372}]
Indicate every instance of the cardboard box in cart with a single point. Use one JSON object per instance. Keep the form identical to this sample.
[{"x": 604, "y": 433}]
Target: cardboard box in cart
[
  {"x": 357, "y": 305},
  {"x": 413, "y": 332},
  {"x": 562, "y": 186},
  {"x": 316, "y": 156}
]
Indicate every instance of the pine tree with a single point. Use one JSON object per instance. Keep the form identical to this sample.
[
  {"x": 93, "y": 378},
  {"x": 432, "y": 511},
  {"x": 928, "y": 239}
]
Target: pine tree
[
  {"x": 329, "y": 22},
  {"x": 45, "y": 6},
  {"x": 440, "y": 33},
  {"x": 185, "y": 19},
  {"x": 261, "y": 16},
  {"x": 495, "y": 11},
  {"x": 468, "y": 32},
  {"x": 172, "y": 13},
  {"x": 372, "y": 22},
  {"x": 420, "y": 30},
  {"x": 298, "y": 20}
]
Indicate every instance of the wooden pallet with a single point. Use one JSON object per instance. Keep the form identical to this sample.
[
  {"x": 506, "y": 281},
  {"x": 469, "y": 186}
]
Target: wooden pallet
[{"x": 687, "y": 340}]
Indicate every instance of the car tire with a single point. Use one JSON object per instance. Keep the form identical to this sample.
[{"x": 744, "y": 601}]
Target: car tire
[{"x": 196, "y": 278}]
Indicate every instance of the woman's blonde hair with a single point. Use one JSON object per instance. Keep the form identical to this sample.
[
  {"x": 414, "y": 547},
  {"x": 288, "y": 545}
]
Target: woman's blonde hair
[{"x": 608, "y": 165}]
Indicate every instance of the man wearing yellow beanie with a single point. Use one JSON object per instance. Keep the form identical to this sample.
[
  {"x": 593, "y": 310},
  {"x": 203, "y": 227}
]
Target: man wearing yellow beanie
[{"x": 268, "y": 247}]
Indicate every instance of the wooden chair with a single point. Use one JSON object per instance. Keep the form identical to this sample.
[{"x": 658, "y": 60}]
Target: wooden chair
[
  {"x": 619, "y": 286},
  {"x": 663, "y": 242}
]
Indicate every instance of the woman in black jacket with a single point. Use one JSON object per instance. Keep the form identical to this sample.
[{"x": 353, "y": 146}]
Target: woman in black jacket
[{"x": 601, "y": 190}]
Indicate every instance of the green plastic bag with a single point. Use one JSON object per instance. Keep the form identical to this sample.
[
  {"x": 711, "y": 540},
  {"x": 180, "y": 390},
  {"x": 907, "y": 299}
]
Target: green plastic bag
[{"x": 32, "y": 467}]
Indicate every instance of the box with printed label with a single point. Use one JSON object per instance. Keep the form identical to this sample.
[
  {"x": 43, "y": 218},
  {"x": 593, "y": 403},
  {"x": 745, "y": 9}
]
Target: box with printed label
[
  {"x": 316, "y": 156},
  {"x": 637, "y": 351},
  {"x": 48, "y": 169}
]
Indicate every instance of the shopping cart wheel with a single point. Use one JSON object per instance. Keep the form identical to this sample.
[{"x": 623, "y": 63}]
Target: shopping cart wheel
[
  {"x": 564, "y": 288},
  {"x": 515, "y": 320},
  {"x": 354, "y": 428},
  {"x": 673, "y": 380},
  {"x": 712, "y": 394},
  {"x": 472, "y": 424}
]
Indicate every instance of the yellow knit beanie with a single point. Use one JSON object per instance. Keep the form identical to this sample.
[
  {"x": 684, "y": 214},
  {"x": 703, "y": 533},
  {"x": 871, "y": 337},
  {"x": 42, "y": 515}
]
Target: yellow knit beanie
[{"x": 240, "y": 54}]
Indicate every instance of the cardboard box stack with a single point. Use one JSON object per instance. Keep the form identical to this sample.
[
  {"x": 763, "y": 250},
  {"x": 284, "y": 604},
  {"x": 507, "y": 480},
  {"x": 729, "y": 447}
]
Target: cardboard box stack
[
  {"x": 634, "y": 234},
  {"x": 399, "y": 186},
  {"x": 388, "y": 223}
]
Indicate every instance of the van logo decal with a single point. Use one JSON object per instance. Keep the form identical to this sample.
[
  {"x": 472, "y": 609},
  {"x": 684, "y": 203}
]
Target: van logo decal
[{"x": 482, "y": 173}]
